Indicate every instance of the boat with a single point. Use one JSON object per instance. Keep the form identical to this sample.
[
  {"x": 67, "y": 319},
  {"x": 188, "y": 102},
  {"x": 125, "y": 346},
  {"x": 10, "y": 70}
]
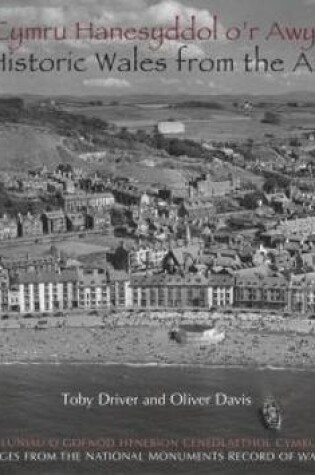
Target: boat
[{"x": 271, "y": 414}]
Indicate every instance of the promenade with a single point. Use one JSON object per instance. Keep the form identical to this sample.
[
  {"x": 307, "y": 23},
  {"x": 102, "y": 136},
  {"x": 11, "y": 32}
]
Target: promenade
[{"x": 144, "y": 338}]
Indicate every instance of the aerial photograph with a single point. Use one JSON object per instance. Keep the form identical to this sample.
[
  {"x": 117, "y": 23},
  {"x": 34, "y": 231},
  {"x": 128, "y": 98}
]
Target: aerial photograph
[{"x": 157, "y": 237}]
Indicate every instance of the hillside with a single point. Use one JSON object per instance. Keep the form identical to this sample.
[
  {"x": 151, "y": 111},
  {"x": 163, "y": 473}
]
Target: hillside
[{"x": 23, "y": 147}]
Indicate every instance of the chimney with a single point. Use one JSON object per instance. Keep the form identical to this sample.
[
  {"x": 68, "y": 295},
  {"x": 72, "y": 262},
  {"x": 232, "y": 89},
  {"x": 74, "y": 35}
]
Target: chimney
[{"x": 191, "y": 192}]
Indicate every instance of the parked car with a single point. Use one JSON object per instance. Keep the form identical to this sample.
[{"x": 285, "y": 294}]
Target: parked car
[
  {"x": 28, "y": 315},
  {"x": 41, "y": 325},
  {"x": 94, "y": 313},
  {"x": 59, "y": 314}
]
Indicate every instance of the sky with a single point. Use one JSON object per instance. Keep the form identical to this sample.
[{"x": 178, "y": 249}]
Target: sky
[{"x": 240, "y": 27}]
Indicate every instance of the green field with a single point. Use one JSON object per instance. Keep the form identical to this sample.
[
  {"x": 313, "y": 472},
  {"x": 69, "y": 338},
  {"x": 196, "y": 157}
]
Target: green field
[{"x": 203, "y": 123}]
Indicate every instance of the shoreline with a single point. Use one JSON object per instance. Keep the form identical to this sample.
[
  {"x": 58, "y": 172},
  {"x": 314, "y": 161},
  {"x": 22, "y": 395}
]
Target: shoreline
[
  {"x": 251, "y": 342},
  {"x": 293, "y": 369}
]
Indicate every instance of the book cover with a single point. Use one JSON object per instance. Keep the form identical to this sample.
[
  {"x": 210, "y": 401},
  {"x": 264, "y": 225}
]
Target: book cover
[{"x": 157, "y": 261}]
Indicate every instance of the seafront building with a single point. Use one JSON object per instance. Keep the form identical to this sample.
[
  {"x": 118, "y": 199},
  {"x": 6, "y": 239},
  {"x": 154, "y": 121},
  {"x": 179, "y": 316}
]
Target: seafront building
[
  {"x": 172, "y": 291},
  {"x": 95, "y": 289},
  {"x": 49, "y": 287},
  {"x": 301, "y": 294},
  {"x": 167, "y": 291},
  {"x": 261, "y": 292},
  {"x": 43, "y": 291},
  {"x": 64, "y": 289}
]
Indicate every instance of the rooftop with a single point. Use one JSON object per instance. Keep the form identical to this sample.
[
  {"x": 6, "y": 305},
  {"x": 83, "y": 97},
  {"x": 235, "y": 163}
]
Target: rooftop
[{"x": 68, "y": 275}]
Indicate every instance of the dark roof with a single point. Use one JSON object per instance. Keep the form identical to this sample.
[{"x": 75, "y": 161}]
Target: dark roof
[
  {"x": 176, "y": 280},
  {"x": 166, "y": 279},
  {"x": 262, "y": 281},
  {"x": 68, "y": 275},
  {"x": 54, "y": 214},
  {"x": 221, "y": 280},
  {"x": 182, "y": 253},
  {"x": 117, "y": 275}
]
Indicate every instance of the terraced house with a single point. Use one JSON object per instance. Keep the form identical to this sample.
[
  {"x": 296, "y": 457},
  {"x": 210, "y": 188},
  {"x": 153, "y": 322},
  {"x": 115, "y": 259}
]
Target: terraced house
[
  {"x": 73, "y": 203},
  {"x": 30, "y": 225},
  {"x": 261, "y": 292},
  {"x": 54, "y": 222},
  {"x": 193, "y": 291},
  {"x": 67, "y": 289},
  {"x": 51, "y": 288},
  {"x": 8, "y": 228},
  {"x": 93, "y": 289},
  {"x": 301, "y": 293},
  {"x": 43, "y": 291}
]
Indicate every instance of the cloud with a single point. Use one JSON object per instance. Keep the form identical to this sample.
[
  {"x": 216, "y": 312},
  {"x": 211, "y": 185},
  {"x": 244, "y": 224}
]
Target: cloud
[
  {"x": 32, "y": 15},
  {"x": 191, "y": 50},
  {"x": 106, "y": 13},
  {"x": 109, "y": 82},
  {"x": 163, "y": 13}
]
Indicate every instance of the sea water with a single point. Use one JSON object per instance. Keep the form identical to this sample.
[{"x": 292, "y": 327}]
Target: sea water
[{"x": 33, "y": 409}]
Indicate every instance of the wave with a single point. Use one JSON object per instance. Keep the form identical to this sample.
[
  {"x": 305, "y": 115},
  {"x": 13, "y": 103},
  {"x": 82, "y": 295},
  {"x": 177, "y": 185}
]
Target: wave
[{"x": 154, "y": 364}]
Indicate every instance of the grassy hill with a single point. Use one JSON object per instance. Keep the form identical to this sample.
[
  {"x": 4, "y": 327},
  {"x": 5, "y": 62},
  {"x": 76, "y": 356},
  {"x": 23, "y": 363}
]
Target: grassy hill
[{"x": 24, "y": 147}]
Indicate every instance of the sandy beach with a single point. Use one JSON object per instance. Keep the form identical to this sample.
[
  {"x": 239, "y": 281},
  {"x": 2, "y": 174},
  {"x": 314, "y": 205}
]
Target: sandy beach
[{"x": 250, "y": 340}]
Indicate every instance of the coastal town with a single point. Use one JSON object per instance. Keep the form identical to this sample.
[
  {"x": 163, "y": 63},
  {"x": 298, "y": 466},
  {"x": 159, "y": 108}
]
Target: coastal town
[
  {"x": 157, "y": 237},
  {"x": 79, "y": 244}
]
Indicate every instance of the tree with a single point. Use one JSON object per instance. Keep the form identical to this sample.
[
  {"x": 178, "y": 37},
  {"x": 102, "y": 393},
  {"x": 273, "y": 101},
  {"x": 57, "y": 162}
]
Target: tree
[
  {"x": 64, "y": 168},
  {"x": 295, "y": 142},
  {"x": 118, "y": 217},
  {"x": 271, "y": 118},
  {"x": 252, "y": 200},
  {"x": 275, "y": 183},
  {"x": 141, "y": 136},
  {"x": 270, "y": 185}
]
